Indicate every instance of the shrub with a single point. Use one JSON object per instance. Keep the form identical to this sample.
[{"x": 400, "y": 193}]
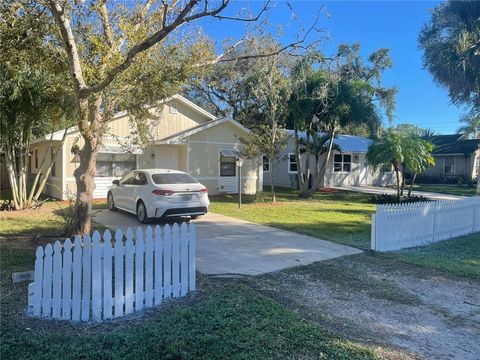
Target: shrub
[{"x": 392, "y": 199}]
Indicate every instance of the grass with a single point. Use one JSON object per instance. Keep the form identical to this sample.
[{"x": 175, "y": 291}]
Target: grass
[
  {"x": 450, "y": 189},
  {"x": 460, "y": 256},
  {"x": 222, "y": 321},
  {"x": 342, "y": 217}
]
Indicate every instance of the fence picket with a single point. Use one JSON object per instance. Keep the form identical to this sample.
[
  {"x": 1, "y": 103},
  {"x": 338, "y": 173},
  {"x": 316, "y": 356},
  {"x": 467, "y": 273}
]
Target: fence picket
[
  {"x": 175, "y": 261},
  {"x": 107, "y": 275},
  {"x": 139, "y": 270},
  {"x": 191, "y": 258},
  {"x": 158, "y": 265},
  {"x": 47, "y": 282},
  {"x": 167, "y": 262},
  {"x": 57, "y": 281},
  {"x": 184, "y": 259},
  {"x": 37, "y": 297},
  {"x": 129, "y": 253},
  {"x": 77, "y": 279},
  {"x": 87, "y": 277},
  {"x": 119, "y": 281},
  {"x": 423, "y": 223},
  {"x": 67, "y": 280},
  {"x": 149, "y": 267},
  {"x": 99, "y": 279}
]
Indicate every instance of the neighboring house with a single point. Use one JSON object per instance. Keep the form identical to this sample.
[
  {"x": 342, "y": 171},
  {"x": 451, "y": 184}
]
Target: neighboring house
[
  {"x": 345, "y": 168},
  {"x": 184, "y": 137},
  {"x": 455, "y": 157}
]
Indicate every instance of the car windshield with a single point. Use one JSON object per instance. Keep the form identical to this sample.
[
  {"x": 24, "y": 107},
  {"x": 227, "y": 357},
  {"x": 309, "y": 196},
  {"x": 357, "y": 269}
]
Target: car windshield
[{"x": 173, "y": 178}]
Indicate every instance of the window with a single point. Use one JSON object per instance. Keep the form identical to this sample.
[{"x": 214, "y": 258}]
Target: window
[
  {"x": 342, "y": 163},
  {"x": 127, "y": 179},
  {"x": 228, "y": 165},
  {"x": 36, "y": 159},
  {"x": 139, "y": 179},
  {"x": 266, "y": 164},
  {"x": 292, "y": 163},
  {"x": 52, "y": 158},
  {"x": 449, "y": 165},
  {"x": 173, "y": 108},
  {"x": 386, "y": 168},
  {"x": 114, "y": 164},
  {"x": 173, "y": 178}
]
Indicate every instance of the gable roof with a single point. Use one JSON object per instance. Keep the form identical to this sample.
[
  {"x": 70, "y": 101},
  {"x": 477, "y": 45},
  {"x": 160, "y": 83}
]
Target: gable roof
[
  {"x": 178, "y": 137},
  {"x": 347, "y": 143},
  {"x": 463, "y": 147},
  {"x": 57, "y": 135},
  {"x": 440, "y": 140}
]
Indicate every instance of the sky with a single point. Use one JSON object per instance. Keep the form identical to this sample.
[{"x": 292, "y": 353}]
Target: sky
[{"x": 374, "y": 24}]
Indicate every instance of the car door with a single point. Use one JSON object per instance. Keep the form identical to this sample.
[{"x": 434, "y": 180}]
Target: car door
[
  {"x": 135, "y": 190},
  {"x": 122, "y": 191}
]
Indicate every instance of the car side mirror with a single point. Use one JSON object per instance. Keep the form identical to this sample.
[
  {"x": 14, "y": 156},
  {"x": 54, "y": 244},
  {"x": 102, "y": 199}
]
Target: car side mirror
[{"x": 116, "y": 182}]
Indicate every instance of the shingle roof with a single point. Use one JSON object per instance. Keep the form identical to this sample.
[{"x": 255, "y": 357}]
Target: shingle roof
[
  {"x": 440, "y": 140},
  {"x": 457, "y": 147}
]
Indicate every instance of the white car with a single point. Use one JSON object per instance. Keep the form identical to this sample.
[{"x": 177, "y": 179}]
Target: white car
[{"x": 158, "y": 193}]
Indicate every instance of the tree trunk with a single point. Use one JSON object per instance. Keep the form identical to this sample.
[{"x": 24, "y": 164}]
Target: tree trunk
[
  {"x": 272, "y": 186},
  {"x": 411, "y": 185},
  {"x": 478, "y": 180},
  {"x": 403, "y": 180},
  {"x": 84, "y": 179},
  {"x": 397, "y": 173},
  {"x": 328, "y": 156},
  {"x": 302, "y": 175}
]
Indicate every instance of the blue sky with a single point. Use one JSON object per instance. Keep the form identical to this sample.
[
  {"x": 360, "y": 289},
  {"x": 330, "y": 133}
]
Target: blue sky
[{"x": 374, "y": 24}]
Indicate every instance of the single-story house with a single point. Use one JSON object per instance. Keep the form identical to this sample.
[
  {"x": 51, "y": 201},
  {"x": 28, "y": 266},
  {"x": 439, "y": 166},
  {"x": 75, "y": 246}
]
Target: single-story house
[
  {"x": 455, "y": 156},
  {"x": 184, "y": 137},
  {"x": 345, "y": 168}
]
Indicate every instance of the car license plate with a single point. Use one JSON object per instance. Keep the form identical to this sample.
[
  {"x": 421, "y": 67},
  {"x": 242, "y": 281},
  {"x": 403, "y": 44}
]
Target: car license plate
[{"x": 186, "y": 197}]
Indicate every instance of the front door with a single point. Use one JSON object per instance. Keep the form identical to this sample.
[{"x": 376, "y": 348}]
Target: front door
[{"x": 166, "y": 158}]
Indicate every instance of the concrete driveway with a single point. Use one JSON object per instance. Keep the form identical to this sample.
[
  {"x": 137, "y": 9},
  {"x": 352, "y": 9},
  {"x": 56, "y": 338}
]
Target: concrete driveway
[{"x": 228, "y": 246}]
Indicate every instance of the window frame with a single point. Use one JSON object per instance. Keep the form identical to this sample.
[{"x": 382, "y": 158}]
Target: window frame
[
  {"x": 290, "y": 163},
  {"x": 454, "y": 166},
  {"x": 265, "y": 163},
  {"x": 342, "y": 163},
  {"x": 234, "y": 162}
]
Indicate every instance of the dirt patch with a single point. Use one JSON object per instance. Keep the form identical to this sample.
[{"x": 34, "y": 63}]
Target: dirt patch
[{"x": 412, "y": 312}]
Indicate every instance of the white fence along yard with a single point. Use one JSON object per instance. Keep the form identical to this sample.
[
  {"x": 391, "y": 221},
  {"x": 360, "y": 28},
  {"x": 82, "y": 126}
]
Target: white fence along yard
[
  {"x": 97, "y": 279},
  {"x": 399, "y": 226}
]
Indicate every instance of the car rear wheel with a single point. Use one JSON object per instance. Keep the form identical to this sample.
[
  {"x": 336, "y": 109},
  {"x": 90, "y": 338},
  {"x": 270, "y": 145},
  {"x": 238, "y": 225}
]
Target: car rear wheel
[
  {"x": 111, "y": 202},
  {"x": 142, "y": 213}
]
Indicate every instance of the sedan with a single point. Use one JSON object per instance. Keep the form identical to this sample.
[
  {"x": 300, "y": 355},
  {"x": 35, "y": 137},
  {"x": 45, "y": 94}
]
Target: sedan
[{"x": 158, "y": 194}]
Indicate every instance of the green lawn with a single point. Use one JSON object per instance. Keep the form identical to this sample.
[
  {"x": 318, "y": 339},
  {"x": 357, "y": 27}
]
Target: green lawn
[
  {"x": 343, "y": 217},
  {"x": 222, "y": 321},
  {"x": 460, "y": 256},
  {"x": 451, "y": 189}
]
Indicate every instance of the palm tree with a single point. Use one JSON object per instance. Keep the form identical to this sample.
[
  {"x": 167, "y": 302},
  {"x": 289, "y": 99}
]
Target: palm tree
[
  {"x": 402, "y": 151},
  {"x": 388, "y": 149},
  {"x": 451, "y": 44}
]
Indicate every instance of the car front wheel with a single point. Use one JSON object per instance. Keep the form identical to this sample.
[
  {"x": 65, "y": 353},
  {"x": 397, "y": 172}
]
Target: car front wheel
[
  {"x": 111, "y": 202},
  {"x": 142, "y": 213}
]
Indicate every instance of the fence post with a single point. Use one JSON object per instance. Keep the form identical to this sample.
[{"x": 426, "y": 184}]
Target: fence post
[{"x": 373, "y": 244}]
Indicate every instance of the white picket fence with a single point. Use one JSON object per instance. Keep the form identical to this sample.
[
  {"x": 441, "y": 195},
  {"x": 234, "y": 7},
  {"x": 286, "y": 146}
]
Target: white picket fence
[
  {"x": 98, "y": 280},
  {"x": 399, "y": 226}
]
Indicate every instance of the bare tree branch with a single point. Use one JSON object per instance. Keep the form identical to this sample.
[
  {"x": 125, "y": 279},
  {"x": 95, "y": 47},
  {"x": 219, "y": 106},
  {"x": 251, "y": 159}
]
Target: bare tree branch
[{"x": 107, "y": 28}]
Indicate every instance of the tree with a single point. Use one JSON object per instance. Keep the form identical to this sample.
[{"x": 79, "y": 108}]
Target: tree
[
  {"x": 333, "y": 93},
  {"x": 451, "y": 45},
  {"x": 472, "y": 123},
  {"x": 271, "y": 90},
  {"x": 400, "y": 150},
  {"x": 130, "y": 57},
  {"x": 34, "y": 97}
]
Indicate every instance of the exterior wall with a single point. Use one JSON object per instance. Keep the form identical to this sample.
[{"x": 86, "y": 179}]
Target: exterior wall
[
  {"x": 54, "y": 186},
  {"x": 463, "y": 166},
  {"x": 204, "y": 158},
  {"x": 358, "y": 176}
]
